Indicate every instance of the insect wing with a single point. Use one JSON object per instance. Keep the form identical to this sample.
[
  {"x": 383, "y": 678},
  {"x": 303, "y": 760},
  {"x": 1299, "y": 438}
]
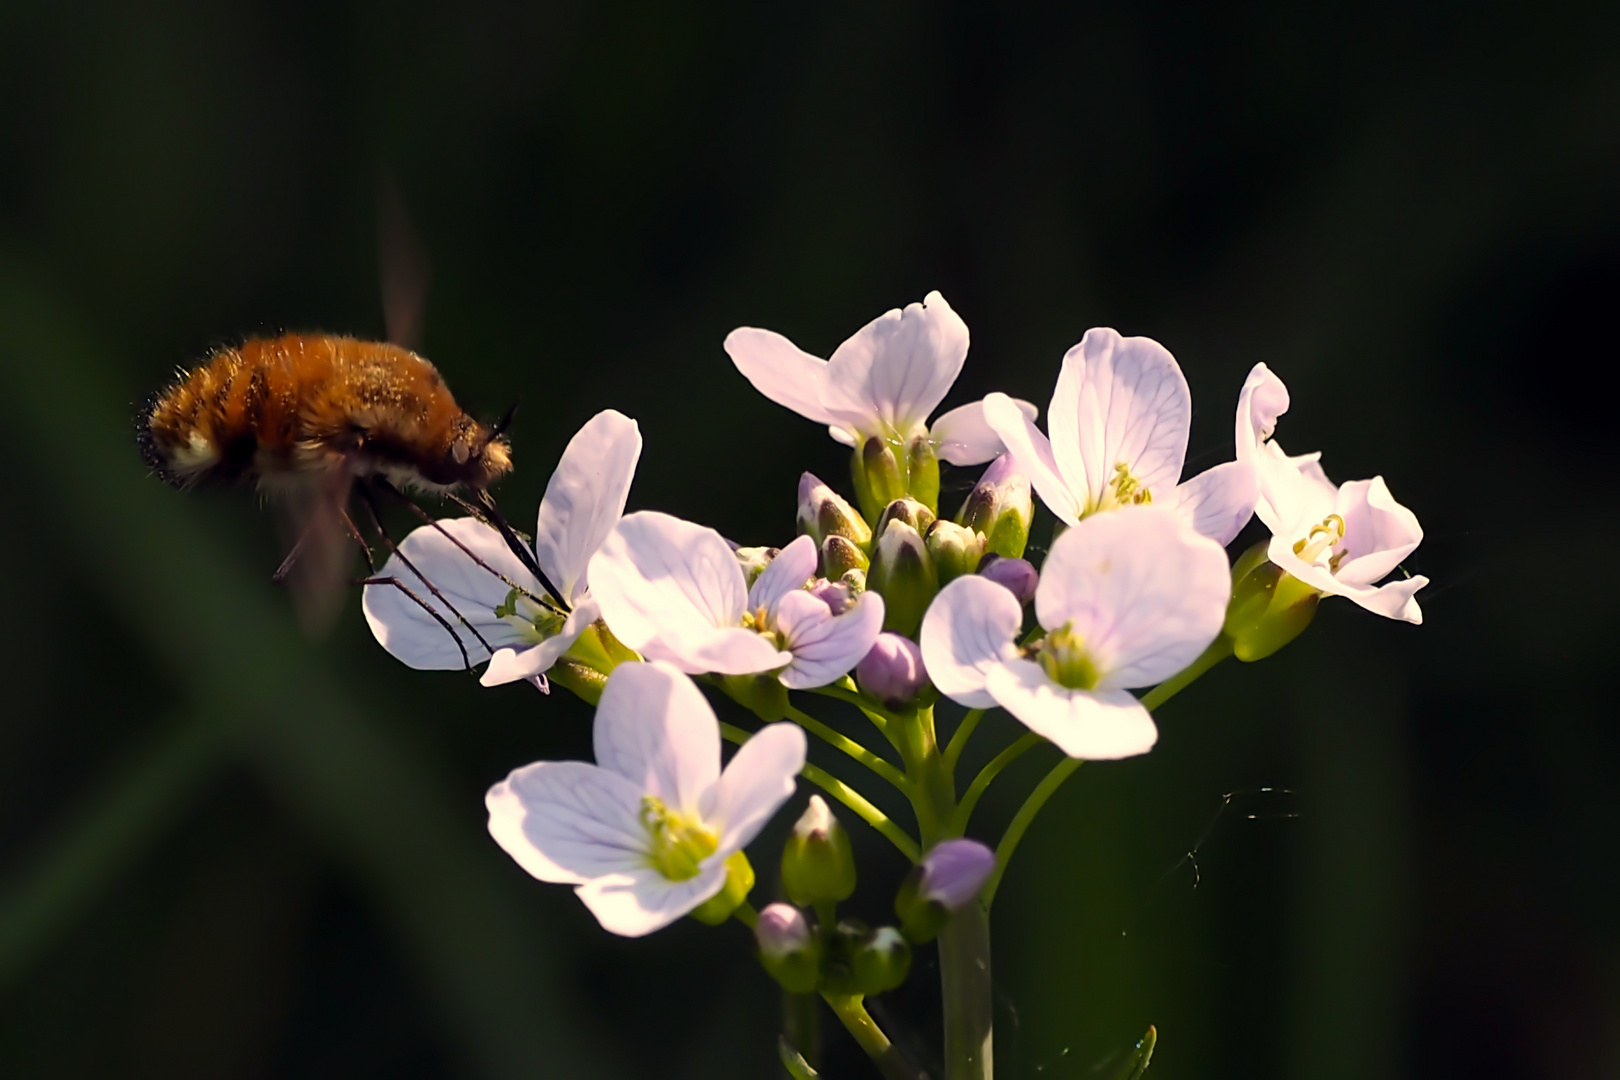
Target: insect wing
[{"x": 312, "y": 516}]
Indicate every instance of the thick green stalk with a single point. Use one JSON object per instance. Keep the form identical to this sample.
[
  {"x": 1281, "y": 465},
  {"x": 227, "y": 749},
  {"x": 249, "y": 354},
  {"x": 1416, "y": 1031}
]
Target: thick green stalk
[
  {"x": 964, "y": 975},
  {"x": 859, "y": 1023}
]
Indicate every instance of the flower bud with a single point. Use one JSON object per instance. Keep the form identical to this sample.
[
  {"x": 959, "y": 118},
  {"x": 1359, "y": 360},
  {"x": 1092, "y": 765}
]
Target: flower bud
[
  {"x": 739, "y": 882},
  {"x": 907, "y": 510},
  {"x": 839, "y": 555},
  {"x": 881, "y": 961},
  {"x": 879, "y": 476},
  {"x": 903, "y": 573},
  {"x": 1016, "y": 575},
  {"x": 892, "y": 671},
  {"x": 1001, "y": 507},
  {"x": 922, "y": 471},
  {"x": 754, "y": 559},
  {"x": 838, "y": 596},
  {"x": 948, "y": 878},
  {"x": 817, "y": 863},
  {"x": 1270, "y": 607},
  {"x": 823, "y": 513},
  {"x": 788, "y": 948},
  {"x": 956, "y": 550}
]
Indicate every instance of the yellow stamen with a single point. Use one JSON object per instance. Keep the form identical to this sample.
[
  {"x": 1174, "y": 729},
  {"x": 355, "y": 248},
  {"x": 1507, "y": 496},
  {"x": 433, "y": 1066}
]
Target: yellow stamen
[
  {"x": 679, "y": 844},
  {"x": 1123, "y": 490}
]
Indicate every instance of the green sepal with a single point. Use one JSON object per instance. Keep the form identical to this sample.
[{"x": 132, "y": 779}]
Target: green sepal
[
  {"x": 762, "y": 694},
  {"x": 1269, "y": 608},
  {"x": 739, "y": 883},
  {"x": 922, "y": 471},
  {"x": 878, "y": 474},
  {"x": 818, "y": 863}
]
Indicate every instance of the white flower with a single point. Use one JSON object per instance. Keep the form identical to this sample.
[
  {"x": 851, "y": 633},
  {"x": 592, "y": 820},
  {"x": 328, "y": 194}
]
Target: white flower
[
  {"x": 645, "y": 833},
  {"x": 1338, "y": 540},
  {"x": 1119, "y": 421},
  {"x": 1127, "y": 600},
  {"x": 583, "y": 501},
  {"x": 673, "y": 591},
  {"x": 884, "y": 381}
]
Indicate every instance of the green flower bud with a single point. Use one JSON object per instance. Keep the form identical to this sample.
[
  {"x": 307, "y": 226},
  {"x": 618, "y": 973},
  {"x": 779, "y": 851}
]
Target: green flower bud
[
  {"x": 754, "y": 559},
  {"x": 1001, "y": 507},
  {"x": 903, "y": 573},
  {"x": 823, "y": 513},
  {"x": 956, "y": 550},
  {"x": 1270, "y": 607},
  {"x": 839, "y": 555},
  {"x": 788, "y": 948},
  {"x": 879, "y": 476},
  {"x": 739, "y": 883},
  {"x": 922, "y": 471},
  {"x": 817, "y": 863},
  {"x": 907, "y": 510},
  {"x": 881, "y": 961}
]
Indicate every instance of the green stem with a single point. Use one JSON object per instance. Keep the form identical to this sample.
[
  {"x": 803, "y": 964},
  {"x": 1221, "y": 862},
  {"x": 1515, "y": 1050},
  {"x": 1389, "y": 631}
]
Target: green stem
[
  {"x": 801, "y": 1026},
  {"x": 959, "y": 738},
  {"x": 1218, "y": 650},
  {"x": 859, "y": 1023},
  {"x": 964, "y": 976},
  {"x": 975, "y": 791},
  {"x": 745, "y": 914},
  {"x": 852, "y": 748},
  {"x": 1020, "y": 822},
  {"x": 844, "y": 794}
]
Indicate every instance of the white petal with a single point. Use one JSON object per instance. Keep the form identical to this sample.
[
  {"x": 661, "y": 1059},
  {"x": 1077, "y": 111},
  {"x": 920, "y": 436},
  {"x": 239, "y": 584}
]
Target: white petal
[
  {"x": 826, "y": 646},
  {"x": 843, "y": 435},
  {"x": 637, "y": 903},
  {"x": 1379, "y": 533},
  {"x": 568, "y": 822},
  {"x": 897, "y": 369},
  {"x": 1032, "y": 455},
  {"x": 655, "y": 728},
  {"x": 1219, "y": 501},
  {"x": 733, "y": 651},
  {"x": 968, "y": 632},
  {"x": 795, "y": 565},
  {"x": 661, "y": 579},
  {"x": 1393, "y": 600},
  {"x": 1098, "y": 725},
  {"x": 1145, "y": 595},
  {"x": 780, "y": 370},
  {"x": 1295, "y": 493},
  {"x": 510, "y": 665},
  {"x": 414, "y": 636},
  {"x": 1120, "y": 400},
  {"x": 585, "y": 498},
  {"x": 757, "y": 781},
  {"x": 1262, "y": 399},
  {"x": 964, "y": 436}
]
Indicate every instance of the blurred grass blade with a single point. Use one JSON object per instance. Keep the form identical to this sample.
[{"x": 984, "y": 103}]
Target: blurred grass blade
[
  {"x": 793, "y": 1061},
  {"x": 1136, "y": 1061}
]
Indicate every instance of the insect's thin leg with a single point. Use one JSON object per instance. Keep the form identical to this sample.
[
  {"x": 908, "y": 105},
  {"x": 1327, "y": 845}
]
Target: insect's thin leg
[
  {"x": 519, "y": 548},
  {"x": 428, "y": 519},
  {"x": 388, "y": 541},
  {"x": 466, "y": 661},
  {"x": 365, "y": 548},
  {"x": 287, "y": 564}
]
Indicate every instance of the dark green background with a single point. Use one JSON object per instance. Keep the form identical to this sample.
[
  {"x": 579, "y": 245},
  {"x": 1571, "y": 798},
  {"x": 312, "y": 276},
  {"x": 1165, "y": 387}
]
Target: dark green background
[{"x": 228, "y": 852}]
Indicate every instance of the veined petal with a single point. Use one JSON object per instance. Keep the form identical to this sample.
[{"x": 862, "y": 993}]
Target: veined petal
[
  {"x": 964, "y": 436},
  {"x": 635, "y": 904},
  {"x": 757, "y": 781},
  {"x": 795, "y": 565},
  {"x": 661, "y": 579},
  {"x": 1379, "y": 533},
  {"x": 825, "y": 646},
  {"x": 897, "y": 368},
  {"x": 1098, "y": 725},
  {"x": 585, "y": 498},
  {"x": 733, "y": 651},
  {"x": 1218, "y": 502},
  {"x": 568, "y": 822},
  {"x": 780, "y": 370},
  {"x": 967, "y": 633},
  {"x": 655, "y": 728},
  {"x": 1120, "y": 400},
  {"x": 412, "y": 635},
  {"x": 1142, "y": 593},
  {"x": 512, "y": 664},
  {"x": 1032, "y": 455}
]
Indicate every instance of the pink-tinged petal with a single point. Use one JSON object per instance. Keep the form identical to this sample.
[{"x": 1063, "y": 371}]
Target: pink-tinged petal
[
  {"x": 1295, "y": 493},
  {"x": 1098, "y": 725},
  {"x": 1262, "y": 399},
  {"x": 637, "y": 903},
  {"x": 568, "y": 822},
  {"x": 842, "y": 435},
  {"x": 734, "y": 651},
  {"x": 1032, "y": 455},
  {"x": 1218, "y": 502},
  {"x": 780, "y": 370},
  {"x": 655, "y": 728},
  {"x": 1379, "y": 533},
  {"x": 1120, "y": 400},
  {"x": 412, "y": 635},
  {"x": 1143, "y": 593},
  {"x": 967, "y": 633},
  {"x": 826, "y": 646},
  {"x": 964, "y": 436},
  {"x": 757, "y": 781},
  {"x": 510, "y": 665},
  {"x": 585, "y": 498},
  {"x": 795, "y": 565},
  {"x": 1393, "y": 600},
  {"x": 661, "y": 579},
  {"x": 897, "y": 369}
]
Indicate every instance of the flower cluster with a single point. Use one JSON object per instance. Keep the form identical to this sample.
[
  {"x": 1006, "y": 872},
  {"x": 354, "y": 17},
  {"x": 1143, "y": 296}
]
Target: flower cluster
[{"x": 887, "y": 602}]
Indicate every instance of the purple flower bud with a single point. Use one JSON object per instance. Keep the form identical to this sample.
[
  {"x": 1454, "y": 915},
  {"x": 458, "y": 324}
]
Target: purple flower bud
[
  {"x": 1017, "y": 575},
  {"x": 835, "y": 594},
  {"x": 781, "y": 930},
  {"x": 953, "y": 872},
  {"x": 893, "y": 670}
]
